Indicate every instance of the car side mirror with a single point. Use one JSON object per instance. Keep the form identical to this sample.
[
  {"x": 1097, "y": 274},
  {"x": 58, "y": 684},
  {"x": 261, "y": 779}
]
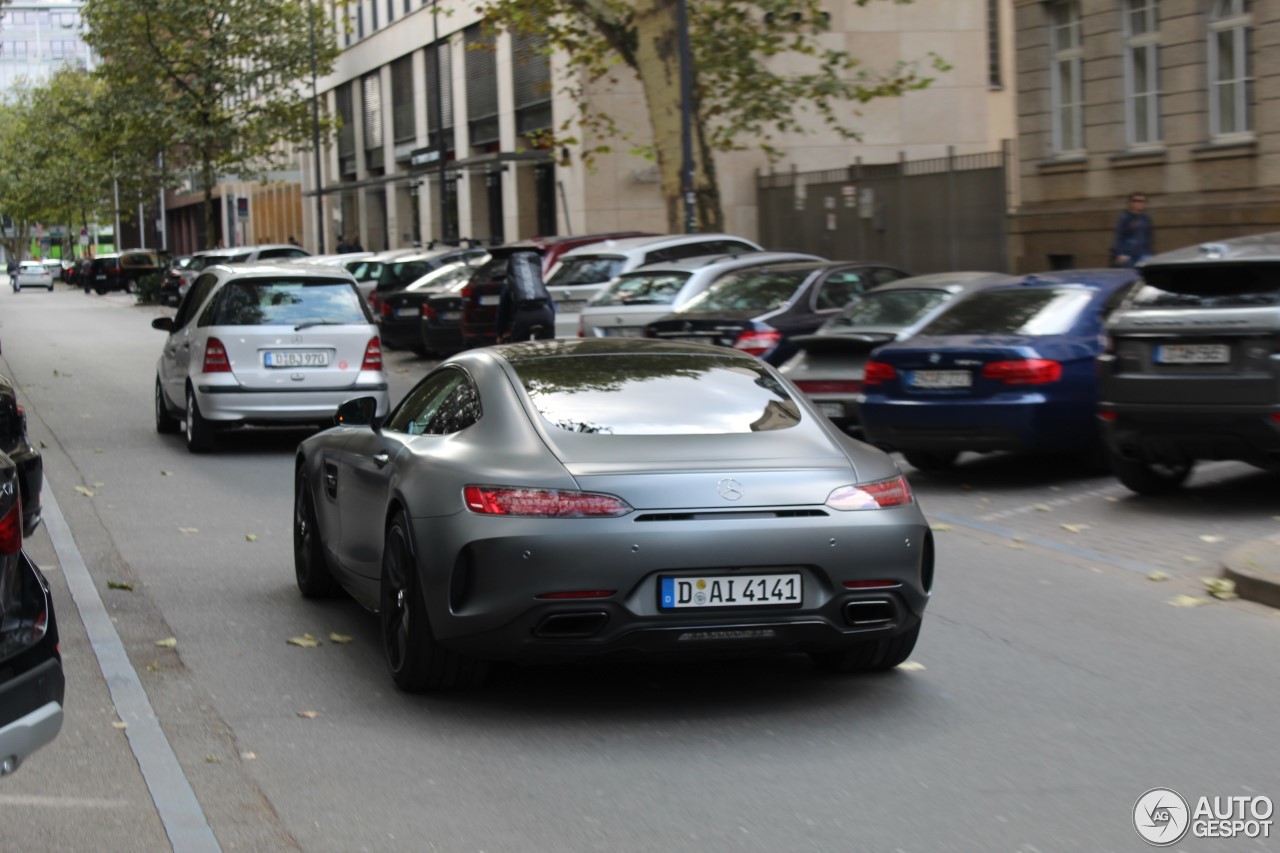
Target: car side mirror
[
  {"x": 356, "y": 412},
  {"x": 164, "y": 324}
]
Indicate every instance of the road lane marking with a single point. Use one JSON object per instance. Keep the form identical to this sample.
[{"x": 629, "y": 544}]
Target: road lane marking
[
  {"x": 180, "y": 812},
  {"x": 35, "y": 800}
]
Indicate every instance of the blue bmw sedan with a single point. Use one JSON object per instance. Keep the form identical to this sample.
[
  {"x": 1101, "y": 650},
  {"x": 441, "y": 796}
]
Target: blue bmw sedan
[{"x": 1008, "y": 368}]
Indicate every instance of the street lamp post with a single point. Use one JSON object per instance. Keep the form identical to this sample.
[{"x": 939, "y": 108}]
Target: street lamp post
[
  {"x": 686, "y": 118},
  {"x": 437, "y": 117},
  {"x": 315, "y": 131}
]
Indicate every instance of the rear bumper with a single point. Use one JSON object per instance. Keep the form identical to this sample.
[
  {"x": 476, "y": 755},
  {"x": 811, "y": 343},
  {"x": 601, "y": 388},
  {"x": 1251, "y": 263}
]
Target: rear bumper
[
  {"x": 401, "y": 333},
  {"x": 1145, "y": 431},
  {"x": 442, "y": 340},
  {"x": 236, "y": 405},
  {"x": 1028, "y": 421}
]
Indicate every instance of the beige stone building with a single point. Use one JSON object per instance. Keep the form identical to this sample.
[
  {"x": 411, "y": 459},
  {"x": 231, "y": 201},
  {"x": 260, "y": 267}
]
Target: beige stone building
[{"x": 1174, "y": 98}]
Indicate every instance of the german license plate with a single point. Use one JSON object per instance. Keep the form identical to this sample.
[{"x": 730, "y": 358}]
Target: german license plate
[
  {"x": 408, "y": 312},
  {"x": 492, "y": 299},
  {"x": 451, "y": 316},
  {"x": 623, "y": 332},
  {"x": 296, "y": 358},
  {"x": 940, "y": 379},
  {"x": 730, "y": 591},
  {"x": 832, "y": 410},
  {"x": 1193, "y": 354}
]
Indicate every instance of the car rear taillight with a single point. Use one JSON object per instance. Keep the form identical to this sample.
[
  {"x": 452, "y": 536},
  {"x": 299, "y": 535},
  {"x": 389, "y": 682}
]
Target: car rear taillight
[
  {"x": 542, "y": 503},
  {"x": 878, "y": 495},
  {"x": 466, "y": 291},
  {"x": 582, "y": 327},
  {"x": 374, "y": 301},
  {"x": 11, "y": 529},
  {"x": 384, "y": 308},
  {"x": 372, "y": 355},
  {"x": 1024, "y": 371},
  {"x": 215, "y": 358},
  {"x": 829, "y": 386},
  {"x": 757, "y": 342},
  {"x": 876, "y": 372},
  {"x": 429, "y": 313}
]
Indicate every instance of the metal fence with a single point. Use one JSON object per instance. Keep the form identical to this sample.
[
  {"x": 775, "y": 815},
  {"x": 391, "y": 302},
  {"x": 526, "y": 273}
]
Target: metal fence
[{"x": 948, "y": 213}]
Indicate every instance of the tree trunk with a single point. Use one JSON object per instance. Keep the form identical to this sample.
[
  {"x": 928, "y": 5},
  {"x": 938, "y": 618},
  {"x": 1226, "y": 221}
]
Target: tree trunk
[
  {"x": 206, "y": 174},
  {"x": 657, "y": 57}
]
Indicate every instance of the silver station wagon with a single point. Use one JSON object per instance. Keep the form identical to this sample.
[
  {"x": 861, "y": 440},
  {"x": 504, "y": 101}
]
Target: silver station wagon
[{"x": 264, "y": 345}]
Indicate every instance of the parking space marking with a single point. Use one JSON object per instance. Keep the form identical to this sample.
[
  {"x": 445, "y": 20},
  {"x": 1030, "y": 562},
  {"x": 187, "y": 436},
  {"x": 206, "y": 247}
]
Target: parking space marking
[{"x": 180, "y": 812}]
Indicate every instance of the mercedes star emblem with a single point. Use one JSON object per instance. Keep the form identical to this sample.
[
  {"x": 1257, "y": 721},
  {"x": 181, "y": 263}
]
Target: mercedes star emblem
[{"x": 729, "y": 489}]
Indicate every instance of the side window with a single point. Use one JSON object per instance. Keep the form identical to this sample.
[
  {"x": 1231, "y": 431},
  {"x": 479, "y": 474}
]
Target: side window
[
  {"x": 206, "y": 316},
  {"x": 839, "y": 290},
  {"x": 195, "y": 296},
  {"x": 884, "y": 276},
  {"x": 277, "y": 253},
  {"x": 458, "y": 411},
  {"x": 416, "y": 413}
]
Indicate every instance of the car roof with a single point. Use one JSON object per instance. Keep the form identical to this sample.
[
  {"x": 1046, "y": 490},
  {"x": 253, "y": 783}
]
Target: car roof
[
  {"x": 952, "y": 282},
  {"x": 1254, "y": 248},
  {"x": 1105, "y": 280},
  {"x": 271, "y": 268},
  {"x": 813, "y": 266},
  {"x": 718, "y": 261},
  {"x": 515, "y": 354},
  {"x": 637, "y": 244}
]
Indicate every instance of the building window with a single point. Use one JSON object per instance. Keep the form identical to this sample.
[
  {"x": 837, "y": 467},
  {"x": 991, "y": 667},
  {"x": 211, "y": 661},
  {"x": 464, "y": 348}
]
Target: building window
[
  {"x": 1066, "y": 85},
  {"x": 373, "y": 16},
  {"x": 371, "y": 91},
  {"x": 994, "y": 80},
  {"x": 482, "y": 85},
  {"x": 1230, "y": 70},
  {"x": 531, "y": 82},
  {"x": 1142, "y": 72}
]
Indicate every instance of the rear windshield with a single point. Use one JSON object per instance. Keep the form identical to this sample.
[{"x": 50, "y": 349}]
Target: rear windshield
[
  {"x": 1038, "y": 311},
  {"x": 399, "y": 275},
  {"x": 366, "y": 270},
  {"x": 647, "y": 394},
  {"x": 892, "y": 308},
  {"x": 1224, "y": 287},
  {"x": 271, "y": 302},
  {"x": 448, "y": 278},
  {"x": 649, "y": 288},
  {"x": 749, "y": 290},
  {"x": 588, "y": 269}
]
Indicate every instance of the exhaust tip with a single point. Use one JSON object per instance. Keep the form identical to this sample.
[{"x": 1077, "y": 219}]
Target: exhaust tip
[
  {"x": 870, "y": 614},
  {"x": 571, "y": 625}
]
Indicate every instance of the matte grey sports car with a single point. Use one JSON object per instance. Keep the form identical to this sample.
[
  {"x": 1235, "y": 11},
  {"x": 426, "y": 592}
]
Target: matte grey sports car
[{"x": 587, "y": 497}]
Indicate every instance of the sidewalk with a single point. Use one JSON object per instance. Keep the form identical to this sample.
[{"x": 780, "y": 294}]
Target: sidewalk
[{"x": 1255, "y": 568}]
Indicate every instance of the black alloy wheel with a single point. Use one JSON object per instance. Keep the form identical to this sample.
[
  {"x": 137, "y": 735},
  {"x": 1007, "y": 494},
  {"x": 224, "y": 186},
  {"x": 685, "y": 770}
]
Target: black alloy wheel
[
  {"x": 869, "y": 655},
  {"x": 200, "y": 433},
  {"x": 416, "y": 661},
  {"x": 315, "y": 580},
  {"x": 166, "y": 424}
]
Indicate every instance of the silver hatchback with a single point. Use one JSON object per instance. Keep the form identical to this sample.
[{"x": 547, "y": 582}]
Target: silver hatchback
[{"x": 265, "y": 345}]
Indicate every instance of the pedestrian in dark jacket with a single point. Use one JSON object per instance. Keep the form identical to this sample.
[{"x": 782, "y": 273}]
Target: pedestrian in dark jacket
[
  {"x": 12, "y": 269},
  {"x": 526, "y": 311},
  {"x": 1133, "y": 240}
]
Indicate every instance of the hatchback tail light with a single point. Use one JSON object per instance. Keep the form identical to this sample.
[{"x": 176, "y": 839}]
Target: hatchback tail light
[
  {"x": 757, "y": 342},
  {"x": 11, "y": 529},
  {"x": 215, "y": 358},
  {"x": 880, "y": 494},
  {"x": 1024, "y": 371},
  {"x": 542, "y": 503},
  {"x": 876, "y": 372},
  {"x": 372, "y": 355}
]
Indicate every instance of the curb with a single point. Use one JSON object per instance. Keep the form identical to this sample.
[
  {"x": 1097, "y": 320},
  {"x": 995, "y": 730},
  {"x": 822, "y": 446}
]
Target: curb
[{"x": 1255, "y": 569}]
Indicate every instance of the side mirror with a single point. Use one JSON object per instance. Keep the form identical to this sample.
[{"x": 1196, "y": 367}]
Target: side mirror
[
  {"x": 359, "y": 411},
  {"x": 164, "y": 324}
]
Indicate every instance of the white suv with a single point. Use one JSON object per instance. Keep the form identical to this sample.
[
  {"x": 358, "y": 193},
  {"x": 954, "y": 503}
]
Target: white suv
[{"x": 581, "y": 273}]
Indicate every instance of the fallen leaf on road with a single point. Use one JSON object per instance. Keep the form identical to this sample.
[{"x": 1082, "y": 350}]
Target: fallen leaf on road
[
  {"x": 84, "y": 490},
  {"x": 1113, "y": 499},
  {"x": 1187, "y": 601},
  {"x": 306, "y": 641},
  {"x": 127, "y": 587},
  {"x": 248, "y": 756},
  {"x": 1210, "y": 538},
  {"x": 341, "y": 639},
  {"x": 402, "y": 370},
  {"x": 153, "y": 667},
  {"x": 1157, "y": 576},
  {"x": 212, "y": 759},
  {"x": 98, "y": 485},
  {"x": 1016, "y": 546},
  {"x": 249, "y": 537},
  {"x": 1075, "y": 528},
  {"x": 911, "y": 666},
  {"x": 1221, "y": 588},
  {"x": 96, "y": 449},
  {"x": 1190, "y": 559},
  {"x": 44, "y": 446},
  {"x": 120, "y": 724},
  {"x": 164, "y": 473},
  {"x": 188, "y": 529},
  {"x": 940, "y": 528},
  {"x": 308, "y": 715},
  {"x": 167, "y": 643},
  {"x": 1042, "y": 508}
]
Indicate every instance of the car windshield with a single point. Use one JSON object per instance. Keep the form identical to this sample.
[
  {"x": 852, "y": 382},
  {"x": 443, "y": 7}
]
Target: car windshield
[
  {"x": 284, "y": 302},
  {"x": 643, "y": 288},
  {"x": 891, "y": 308},
  {"x": 1029, "y": 311},
  {"x": 656, "y": 394},
  {"x": 586, "y": 269},
  {"x": 749, "y": 290},
  {"x": 1240, "y": 287}
]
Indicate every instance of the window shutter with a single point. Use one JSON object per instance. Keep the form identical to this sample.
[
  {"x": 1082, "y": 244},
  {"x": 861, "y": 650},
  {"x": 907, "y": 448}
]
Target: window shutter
[
  {"x": 372, "y": 86},
  {"x": 402, "y": 99},
  {"x": 446, "y": 88},
  {"x": 531, "y": 70},
  {"x": 482, "y": 74}
]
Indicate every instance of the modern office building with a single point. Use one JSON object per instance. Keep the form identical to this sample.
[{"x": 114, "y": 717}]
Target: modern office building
[{"x": 39, "y": 36}]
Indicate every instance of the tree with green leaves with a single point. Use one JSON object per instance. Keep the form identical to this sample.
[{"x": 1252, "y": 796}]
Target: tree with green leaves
[
  {"x": 740, "y": 98},
  {"x": 219, "y": 85}
]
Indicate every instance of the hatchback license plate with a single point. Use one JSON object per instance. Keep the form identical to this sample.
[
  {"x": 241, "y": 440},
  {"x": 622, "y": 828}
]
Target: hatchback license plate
[
  {"x": 730, "y": 591},
  {"x": 1193, "y": 354},
  {"x": 623, "y": 332},
  {"x": 940, "y": 379},
  {"x": 832, "y": 410},
  {"x": 408, "y": 312},
  {"x": 296, "y": 358}
]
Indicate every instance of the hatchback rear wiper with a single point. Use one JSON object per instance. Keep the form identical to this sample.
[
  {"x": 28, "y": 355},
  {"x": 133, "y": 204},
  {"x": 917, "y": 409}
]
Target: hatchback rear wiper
[{"x": 310, "y": 323}]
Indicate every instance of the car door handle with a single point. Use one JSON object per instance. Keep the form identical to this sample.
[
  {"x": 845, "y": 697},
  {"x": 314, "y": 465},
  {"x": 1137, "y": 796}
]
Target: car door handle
[{"x": 381, "y": 459}]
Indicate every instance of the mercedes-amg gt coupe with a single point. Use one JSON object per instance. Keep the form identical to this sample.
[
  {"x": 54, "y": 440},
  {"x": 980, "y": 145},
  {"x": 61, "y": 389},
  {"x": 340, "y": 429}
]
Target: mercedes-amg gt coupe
[{"x": 596, "y": 497}]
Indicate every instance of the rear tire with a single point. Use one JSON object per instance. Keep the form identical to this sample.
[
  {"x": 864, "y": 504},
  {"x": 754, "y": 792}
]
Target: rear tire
[
  {"x": 315, "y": 580},
  {"x": 166, "y": 424},
  {"x": 869, "y": 655},
  {"x": 51, "y": 287},
  {"x": 200, "y": 433},
  {"x": 931, "y": 460},
  {"x": 416, "y": 661},
  {"x": 1149, "y": 478}
]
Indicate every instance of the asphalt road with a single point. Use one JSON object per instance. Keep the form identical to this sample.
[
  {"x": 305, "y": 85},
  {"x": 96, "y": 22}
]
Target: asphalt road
[{"x": 1053, "y": 683}]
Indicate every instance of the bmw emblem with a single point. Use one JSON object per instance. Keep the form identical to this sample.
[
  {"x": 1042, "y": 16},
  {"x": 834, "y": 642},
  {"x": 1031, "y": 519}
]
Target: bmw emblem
[{"x": 934, "y": 358}]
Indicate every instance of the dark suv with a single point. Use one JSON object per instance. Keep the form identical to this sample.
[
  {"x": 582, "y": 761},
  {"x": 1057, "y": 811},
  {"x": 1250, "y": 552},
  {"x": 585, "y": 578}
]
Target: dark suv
[
  {"x": 1189, "y": 369},
  {"x": 122, "y": 271}
]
